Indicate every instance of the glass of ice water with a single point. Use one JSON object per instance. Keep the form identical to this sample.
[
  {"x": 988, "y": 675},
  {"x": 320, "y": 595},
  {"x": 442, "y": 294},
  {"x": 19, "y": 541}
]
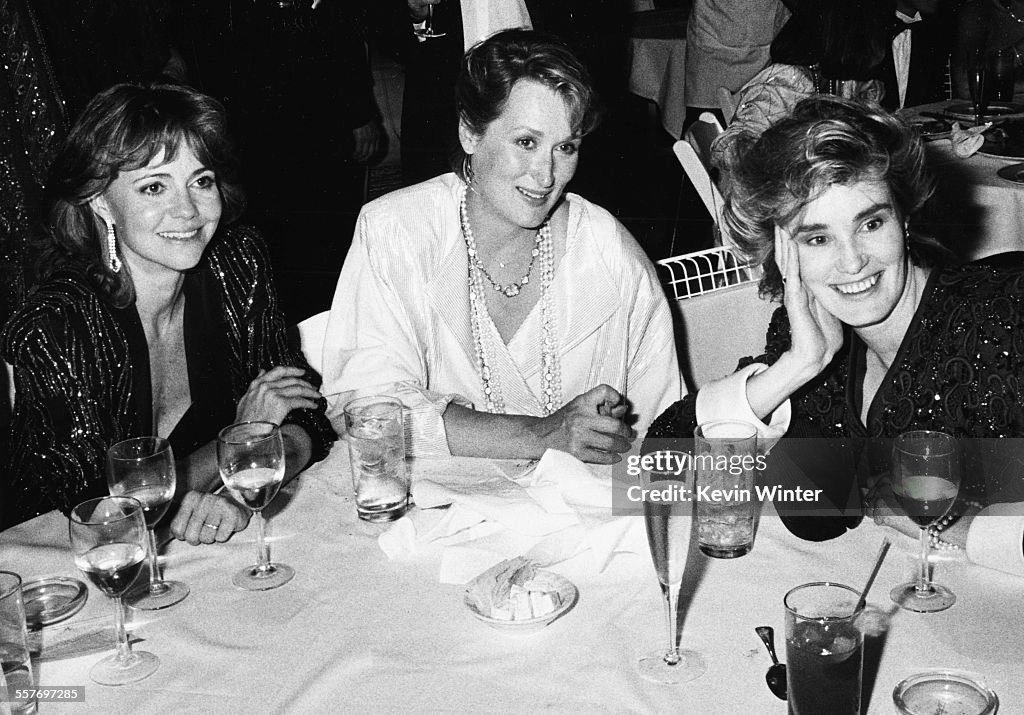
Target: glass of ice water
[
  {"x": 250, "y": 458},
  {"x": 376, "y": 444}
]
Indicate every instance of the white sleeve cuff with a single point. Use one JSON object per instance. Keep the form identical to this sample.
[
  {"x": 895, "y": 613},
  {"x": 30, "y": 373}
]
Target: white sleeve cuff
[
  {"x": 996, "y": 538},
  {"x": 726, "y": 399}
]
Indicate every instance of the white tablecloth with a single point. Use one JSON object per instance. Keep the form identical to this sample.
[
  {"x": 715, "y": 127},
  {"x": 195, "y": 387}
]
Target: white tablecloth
[
  {"x": 980, "y": 213},
  {"x": 355, "y": 632}
]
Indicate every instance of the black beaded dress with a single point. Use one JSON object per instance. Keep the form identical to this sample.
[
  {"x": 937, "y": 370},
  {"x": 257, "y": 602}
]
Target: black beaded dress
[
  {"x": 959, "y": 370},
  {"x": 82, "y": 373}
]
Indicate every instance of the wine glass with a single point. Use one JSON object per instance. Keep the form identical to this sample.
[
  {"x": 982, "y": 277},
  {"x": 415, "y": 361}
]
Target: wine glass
[
  {"x": 250, "y": 457},
  {"x": 428, "y": 30},
  {"x": 108, "y": 540},
  {"x": 143, "y": 468},
  {"x": 669, "y": 526},
  {"x": 976, "y": 76},
  {"x": 925, "y": 482}
]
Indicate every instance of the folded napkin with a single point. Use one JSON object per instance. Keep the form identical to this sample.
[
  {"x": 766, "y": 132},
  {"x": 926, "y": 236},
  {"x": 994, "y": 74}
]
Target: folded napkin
[
  {"x": 996, "y": 538},
  {"x": 553, "y": 512},
  {"x": 967, "y": 141}
]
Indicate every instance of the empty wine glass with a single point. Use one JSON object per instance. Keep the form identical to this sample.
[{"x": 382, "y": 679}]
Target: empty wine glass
[
  {"x": 429, "y": 30},
  {"x": 108, "y": 540},
  {"x": 669, "y": 526},
  {"x": 976, "y": 77},
  {"x": 250, "y": 457},
  {"x": 925, "y": 482},
  {"x": 143, "y": 468}
]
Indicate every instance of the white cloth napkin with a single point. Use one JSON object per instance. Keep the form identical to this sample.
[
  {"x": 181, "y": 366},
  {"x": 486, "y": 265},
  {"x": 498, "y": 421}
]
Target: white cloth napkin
[
  {"x": 966, "y": 142},
  {"x": 559, "y": 510},
  {"x": 996, "y": 538}
]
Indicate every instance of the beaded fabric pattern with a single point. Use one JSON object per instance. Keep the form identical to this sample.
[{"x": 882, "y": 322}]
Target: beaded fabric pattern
[
  {"x": 483, "y": 334},
  {"x": 76, "y": 374}
]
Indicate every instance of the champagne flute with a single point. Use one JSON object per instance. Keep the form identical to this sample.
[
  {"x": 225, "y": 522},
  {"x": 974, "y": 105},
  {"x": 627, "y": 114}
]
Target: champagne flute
[
  {"x": 669, "y": 526},
  {"x": 429, "y": 31},
  {"x": 143, "y": 468},
  {"x": 925, "y": 482},
  {"x": 250, "y": 457},
  {"x": 108, "y": 540},
  {"x": 976, "y": 76}
]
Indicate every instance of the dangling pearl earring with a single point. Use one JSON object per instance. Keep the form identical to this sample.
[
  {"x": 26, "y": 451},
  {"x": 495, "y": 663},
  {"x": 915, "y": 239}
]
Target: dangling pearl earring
[
  {"x": 467, "y": 168},
  {"x": 115, "y": 262}
]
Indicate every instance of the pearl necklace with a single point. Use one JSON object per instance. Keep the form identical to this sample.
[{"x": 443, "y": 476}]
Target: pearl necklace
[
  {"x": 512, "y": 289},
  {"x": 551, "y": 370}
]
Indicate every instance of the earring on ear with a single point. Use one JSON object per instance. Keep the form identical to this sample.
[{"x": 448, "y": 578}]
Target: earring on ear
[
  {"x": 906, "y": 237},
  {"x": 115, "y": 262},
  {"x": 467, "y": 168}
]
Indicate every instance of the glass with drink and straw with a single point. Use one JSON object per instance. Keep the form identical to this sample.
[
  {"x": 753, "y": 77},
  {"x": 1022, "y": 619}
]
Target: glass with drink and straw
[
  {"x": 251, "y": 460},
  {"x": 925, "y": 482},
  {"x": 824, "y": 649},
  {"x": 143, "y": 468},
  {"x": 108, "y": 540}
]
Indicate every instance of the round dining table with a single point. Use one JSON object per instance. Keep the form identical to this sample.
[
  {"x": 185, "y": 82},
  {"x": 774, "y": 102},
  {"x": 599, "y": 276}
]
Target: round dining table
[{"x": 356, "y": 631}]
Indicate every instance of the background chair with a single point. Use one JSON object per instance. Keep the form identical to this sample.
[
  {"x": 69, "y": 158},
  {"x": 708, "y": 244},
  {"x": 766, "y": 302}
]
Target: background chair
[
  {"x": 694, "y": 153},
  {"x": 719, "y": 316}
]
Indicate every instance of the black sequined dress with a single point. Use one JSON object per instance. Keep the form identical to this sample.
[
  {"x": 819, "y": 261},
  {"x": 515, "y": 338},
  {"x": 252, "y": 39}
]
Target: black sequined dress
[
  {"x": 959, "y": 370},
  {"x": 82, "y": 373}
]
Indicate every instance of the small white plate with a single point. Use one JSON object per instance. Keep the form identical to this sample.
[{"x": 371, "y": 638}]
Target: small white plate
[
  {"x": 994, "y": 109},
  {"x": 567, "y": 592}
]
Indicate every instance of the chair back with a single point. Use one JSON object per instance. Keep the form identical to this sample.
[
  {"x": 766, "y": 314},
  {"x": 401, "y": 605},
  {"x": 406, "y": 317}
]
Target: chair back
[
  {"x": 719, "y": 316},
  {"x": 312, "y": 332},
  {"x": 694, "y": 153}
]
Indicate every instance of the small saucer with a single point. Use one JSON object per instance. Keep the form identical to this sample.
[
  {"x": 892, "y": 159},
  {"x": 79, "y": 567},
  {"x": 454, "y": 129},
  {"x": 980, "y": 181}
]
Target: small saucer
[
  {"x": 952, "y": 691},
  {"x": 51, "y": 600},
  {"x": 567, "y": 592},
  {"x": 1013, "y": 173}
]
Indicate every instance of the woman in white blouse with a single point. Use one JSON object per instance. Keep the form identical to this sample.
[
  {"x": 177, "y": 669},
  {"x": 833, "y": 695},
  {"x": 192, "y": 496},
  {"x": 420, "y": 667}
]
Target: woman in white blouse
[{"x": 509, "y": 316}]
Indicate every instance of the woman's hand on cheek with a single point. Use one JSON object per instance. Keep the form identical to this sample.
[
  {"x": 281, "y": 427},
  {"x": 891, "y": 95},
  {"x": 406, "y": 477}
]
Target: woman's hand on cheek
[{"x": 816, "y": 335}]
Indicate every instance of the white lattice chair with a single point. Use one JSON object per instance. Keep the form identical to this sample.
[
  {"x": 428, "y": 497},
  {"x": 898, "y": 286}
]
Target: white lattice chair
[{"x": 720, "y": 316}]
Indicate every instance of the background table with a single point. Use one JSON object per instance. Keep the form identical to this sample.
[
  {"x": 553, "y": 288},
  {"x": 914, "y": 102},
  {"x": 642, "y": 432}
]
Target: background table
[
  {"x": 657, "y": 53},
  {"x": 356, "y": 632},
  {"x": 974, "y": 211}
]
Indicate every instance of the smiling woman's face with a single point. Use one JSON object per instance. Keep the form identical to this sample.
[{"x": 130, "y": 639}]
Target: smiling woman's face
[
  {"x": 853, "y": 259},
  {"x": 524, "y": 158}
]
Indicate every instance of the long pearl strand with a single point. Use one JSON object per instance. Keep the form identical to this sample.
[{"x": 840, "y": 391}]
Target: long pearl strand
[{"x": 551, "y": 372}]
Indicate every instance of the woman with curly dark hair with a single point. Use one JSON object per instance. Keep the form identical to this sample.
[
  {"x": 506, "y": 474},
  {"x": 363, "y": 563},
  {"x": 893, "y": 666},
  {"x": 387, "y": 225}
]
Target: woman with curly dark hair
[
  {"x": 147, "y": 319},
  {"x": 879, "y": 334}
]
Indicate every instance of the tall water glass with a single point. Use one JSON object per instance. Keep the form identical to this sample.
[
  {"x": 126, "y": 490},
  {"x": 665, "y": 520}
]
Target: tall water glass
[
  {"x": 250, "y": 457},
  {"x": 143, "y": 468},
  {"x": 376, "y": 445},
  {"x": 977, "y": 76},
  {"x": 824, "y": 649},
  {"x": 108, "y": 540},
  {"x": 669, "y": 525},
  {"x": 725, "y": 454},
  {"x": 15, "y": 660},
  {"x": 925, "y": 482}
]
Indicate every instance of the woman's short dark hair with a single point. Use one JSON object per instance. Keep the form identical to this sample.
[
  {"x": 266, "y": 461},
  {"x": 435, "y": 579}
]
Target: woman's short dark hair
[
  {"x": 824, "y": 142},
  {"x": 121, "y": 129},
  {"x": 491, "y": 69}
]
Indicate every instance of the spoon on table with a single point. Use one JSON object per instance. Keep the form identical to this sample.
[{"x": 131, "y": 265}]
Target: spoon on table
[{"x": 776, "y": 675}]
